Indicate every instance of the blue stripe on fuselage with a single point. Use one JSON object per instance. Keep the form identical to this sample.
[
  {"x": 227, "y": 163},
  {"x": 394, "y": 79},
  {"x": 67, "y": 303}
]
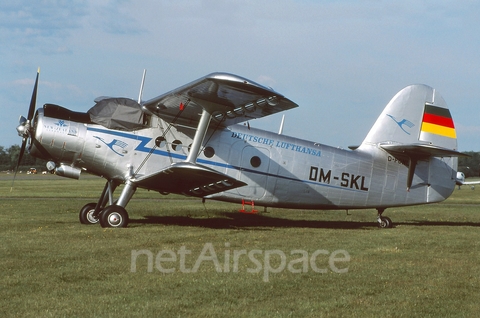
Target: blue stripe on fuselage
[{"x": 145, "y": 140}]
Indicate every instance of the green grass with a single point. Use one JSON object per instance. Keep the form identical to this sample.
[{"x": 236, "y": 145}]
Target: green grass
[{"x": 51, "y": 265}]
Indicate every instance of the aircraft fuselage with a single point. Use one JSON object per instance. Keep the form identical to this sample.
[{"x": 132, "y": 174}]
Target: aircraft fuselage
[{"x": 279, "y": 171}]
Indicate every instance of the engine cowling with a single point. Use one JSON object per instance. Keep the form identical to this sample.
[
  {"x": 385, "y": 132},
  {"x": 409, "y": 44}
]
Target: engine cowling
[{"x": 57, "y": 139}]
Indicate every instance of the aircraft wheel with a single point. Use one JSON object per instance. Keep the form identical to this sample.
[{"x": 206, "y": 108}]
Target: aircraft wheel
[
  {"x": 114, "y": 216},
  {"x": 86, "y": 214},
  {"x": 385, "y": 222}
]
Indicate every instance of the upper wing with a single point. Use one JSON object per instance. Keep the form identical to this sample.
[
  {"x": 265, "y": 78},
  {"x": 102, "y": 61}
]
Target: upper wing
[
  {"x": 230, "y": 99},
  {"x": 467, "y": 182}
]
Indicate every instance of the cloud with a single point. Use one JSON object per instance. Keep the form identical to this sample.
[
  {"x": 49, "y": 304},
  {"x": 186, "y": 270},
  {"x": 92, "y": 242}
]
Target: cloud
[
  {"x": 266, "y": 81},
  {"x": 114, "y": 17},
  {"x": 341, "y": 61},
  {"x": 27, "y": 25}
]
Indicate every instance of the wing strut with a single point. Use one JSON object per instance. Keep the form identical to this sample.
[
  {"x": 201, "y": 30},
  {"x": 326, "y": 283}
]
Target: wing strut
[
  {"x": 412, "y": 164},
  {"x": 141, "y": 86},
  {"x": 199, "y": 136}
]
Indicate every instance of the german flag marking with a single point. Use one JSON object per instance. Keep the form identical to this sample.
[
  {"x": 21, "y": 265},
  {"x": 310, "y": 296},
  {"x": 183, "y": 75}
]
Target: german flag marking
[
  {"x": 438, "y": 121},
  {"x": 439, "y": 130}
]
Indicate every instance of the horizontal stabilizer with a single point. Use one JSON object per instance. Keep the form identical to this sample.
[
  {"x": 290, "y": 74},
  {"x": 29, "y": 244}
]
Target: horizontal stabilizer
[
  {"x": 410, "y": 154},
  {"x": 189, "y": 179},
  {"x": 421, "y": 151}
]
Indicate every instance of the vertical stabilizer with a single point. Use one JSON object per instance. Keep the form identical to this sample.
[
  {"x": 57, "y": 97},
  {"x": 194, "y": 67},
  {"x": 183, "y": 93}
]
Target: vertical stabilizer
[
  {"x": 416, "y": 127},
  {"x": 415, "y": 115}
]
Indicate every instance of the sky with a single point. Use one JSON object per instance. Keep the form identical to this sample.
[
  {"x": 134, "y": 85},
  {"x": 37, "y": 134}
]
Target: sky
[{"x": 340, "y": 61}]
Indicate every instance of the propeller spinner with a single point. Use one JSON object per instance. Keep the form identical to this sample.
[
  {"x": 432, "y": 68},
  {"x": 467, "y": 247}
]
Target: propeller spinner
[{"x": 24, "y": 127}]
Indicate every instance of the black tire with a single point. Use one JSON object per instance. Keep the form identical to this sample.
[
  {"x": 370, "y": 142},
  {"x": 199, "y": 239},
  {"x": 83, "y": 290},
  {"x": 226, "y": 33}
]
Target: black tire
[
  {"x": 386, "y": 222},
  {"x": 86, "y": 214},
  {"x": 114, "y": 216}
]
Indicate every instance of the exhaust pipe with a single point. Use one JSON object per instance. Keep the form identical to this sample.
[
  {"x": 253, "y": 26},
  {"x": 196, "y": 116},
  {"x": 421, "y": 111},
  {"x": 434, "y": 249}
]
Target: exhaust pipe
[{"x": 64, "y": 170}]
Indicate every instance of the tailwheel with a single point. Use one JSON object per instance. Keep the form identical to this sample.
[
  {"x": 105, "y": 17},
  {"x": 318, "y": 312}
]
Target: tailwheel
[
  {"x": 114, "y": 216},
  {"x": 385, "y": 222},
  {"x": 86, "y": 214}
]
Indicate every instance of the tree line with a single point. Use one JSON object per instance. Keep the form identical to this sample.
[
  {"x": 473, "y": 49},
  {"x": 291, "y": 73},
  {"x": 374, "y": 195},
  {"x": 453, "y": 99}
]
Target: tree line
[
  {"x": 9, "y": 157},
  {"x": 470, "y": 165}
]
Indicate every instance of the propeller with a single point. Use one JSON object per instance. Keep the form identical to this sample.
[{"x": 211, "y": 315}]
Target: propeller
[{"x": 24, "y": 127}]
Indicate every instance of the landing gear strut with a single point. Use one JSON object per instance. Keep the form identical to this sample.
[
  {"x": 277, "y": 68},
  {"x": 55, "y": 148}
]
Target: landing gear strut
[
  {"x": 113, "y": 215},
  {"x": 383, "y": 221}
]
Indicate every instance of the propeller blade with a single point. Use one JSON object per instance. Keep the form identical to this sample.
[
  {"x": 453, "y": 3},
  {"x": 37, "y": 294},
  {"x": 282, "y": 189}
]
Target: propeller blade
[
  {"x": 26, "y": 122},
  {"x": 33, "y": 101},
  {"x": 22, "y": 121},
  {"x": 20, "y": 156}
]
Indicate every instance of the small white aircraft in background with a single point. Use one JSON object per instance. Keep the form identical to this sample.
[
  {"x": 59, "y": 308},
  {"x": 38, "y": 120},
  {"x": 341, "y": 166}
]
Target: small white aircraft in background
[
  {"x": 189, "y": 141},
  {"x": 461, "y": 181}
]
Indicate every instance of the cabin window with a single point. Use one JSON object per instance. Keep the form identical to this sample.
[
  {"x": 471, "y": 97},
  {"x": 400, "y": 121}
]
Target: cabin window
[
  {"x": 255, "y": 161},
  {"x": 177, "y": 145},
  {"x": 209, "y": 152},
  {"x": 160, "y": 142}
]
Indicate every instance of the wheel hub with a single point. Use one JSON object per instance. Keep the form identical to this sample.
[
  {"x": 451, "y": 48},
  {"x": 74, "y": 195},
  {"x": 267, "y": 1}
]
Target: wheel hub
[
  {"x": 91, "y": 218},
  {"x": 114, "y": 219}
]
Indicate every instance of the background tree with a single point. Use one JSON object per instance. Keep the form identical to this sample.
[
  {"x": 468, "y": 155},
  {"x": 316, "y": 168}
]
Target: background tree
[
  {"x": 470, "y": 165},
  {"x": 4, "y": 157},
  {"x": 9, "y": 158}
]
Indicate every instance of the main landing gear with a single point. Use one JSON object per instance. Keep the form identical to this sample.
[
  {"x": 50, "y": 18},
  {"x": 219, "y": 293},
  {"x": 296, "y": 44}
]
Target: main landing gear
[
  {"x": 113, "y": 215},
  {"x": 383, "y": 221}
]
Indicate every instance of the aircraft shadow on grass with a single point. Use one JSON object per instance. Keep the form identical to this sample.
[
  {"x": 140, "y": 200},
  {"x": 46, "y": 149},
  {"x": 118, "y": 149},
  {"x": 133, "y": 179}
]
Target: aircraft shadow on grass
[
  {"x": 234, "y": 220},
  {"x": 437, "y": 223},
  {"x": 241, "y": 221}
]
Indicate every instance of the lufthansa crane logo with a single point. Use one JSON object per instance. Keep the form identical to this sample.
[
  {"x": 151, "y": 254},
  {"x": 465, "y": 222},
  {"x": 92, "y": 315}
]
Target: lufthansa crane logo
[
  {"x": 118, "y": 144},
  {"x": 403, "y": 122}
]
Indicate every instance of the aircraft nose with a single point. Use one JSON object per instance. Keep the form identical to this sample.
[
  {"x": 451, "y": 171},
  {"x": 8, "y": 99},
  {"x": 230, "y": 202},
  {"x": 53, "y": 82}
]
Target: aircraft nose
[{"x": 22, "y": 130}]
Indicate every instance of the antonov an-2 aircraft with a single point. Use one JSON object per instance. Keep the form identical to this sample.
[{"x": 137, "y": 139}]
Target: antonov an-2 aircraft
[{"x": 189, "y": 141}]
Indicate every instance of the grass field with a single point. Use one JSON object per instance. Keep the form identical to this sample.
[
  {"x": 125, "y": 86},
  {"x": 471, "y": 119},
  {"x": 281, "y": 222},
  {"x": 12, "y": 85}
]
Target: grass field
[{"x": 428, "y": 265}]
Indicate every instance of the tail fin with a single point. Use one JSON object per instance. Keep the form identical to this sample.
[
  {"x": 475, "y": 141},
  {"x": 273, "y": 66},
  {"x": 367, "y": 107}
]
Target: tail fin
[
  {"x": 416, "y": 115},
  {"x": 415, "y": 125}
]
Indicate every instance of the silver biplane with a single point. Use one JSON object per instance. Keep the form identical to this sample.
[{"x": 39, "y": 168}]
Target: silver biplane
[{"x": 191, "y": 141}]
